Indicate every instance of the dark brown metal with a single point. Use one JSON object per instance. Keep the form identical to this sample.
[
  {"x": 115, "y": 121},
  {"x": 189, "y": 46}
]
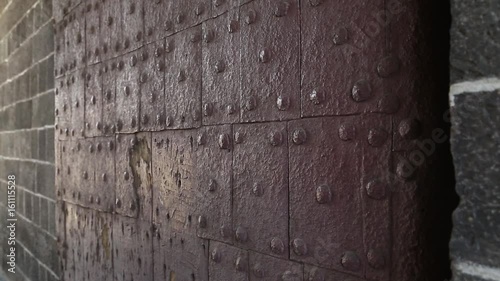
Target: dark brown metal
[{"x": 239, "y": 140}]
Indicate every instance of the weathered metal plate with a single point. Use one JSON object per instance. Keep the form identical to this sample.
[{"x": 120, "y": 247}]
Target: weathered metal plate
[
  {"x": 98, "y": 246},
  {"x": 93, "y": 18},
  {"x": 219, "y": 7},
  {"x": 62, "y": 108},
  {"x": 266, "y": 268},
  {"x": 75, "y": 39},
  {"x": 76, "y": 88},
  {"x": 127, "y": 93},
  {"x": 179, "y": 256},
  {"x": 326, "y": 225},
  {"x": 190, "y": 13},
  {"x": 314, "y": 273},
  {"x": 227, "y": 262},
  {"x": 175, "y": 181},
  {"x": 221, "y": 69},
  {"x": 132, "y": 25},
  {"x": 152, "y": 80},
  {"x": 109, "y": 71},
  {"x": 68, "y": 168},
  {"x": 377, "y": 184},
  {"x": 214, "y": 182},
  {"x": 111, "y": 29},
  {"x": 341, "y": 45},
  {"x": 93, "y": 101},
  {"x": 104, "y": 191},
  {"x": 270, "y": 56},
  {"x": 133, "y": 176},
  {"x": 132, "y": 249},
  {"x": 260, "y": 187},
  {"x": 158, "y": 19},
  {"x": 183, "y": 79},
  {"x": 86, "y": 173},
  {"x": 74, "y": 248}
]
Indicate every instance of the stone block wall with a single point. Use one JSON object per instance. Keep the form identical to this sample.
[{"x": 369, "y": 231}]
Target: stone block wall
[
  {"x": 475, "y": 101},
  {"x": 27, "y": 136}
]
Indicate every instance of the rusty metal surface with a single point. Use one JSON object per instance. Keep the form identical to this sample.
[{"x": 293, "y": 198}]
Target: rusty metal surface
[
  {"x": 174, "y": 176},
  {"x": 93, "y": 101},
  {"x": 270, "y": 58},
  {"x": 109, "y": 70},
  {"x": 221, "y": 60},
  {"x": 266, "y": 268},
  {"x": 179, "y": 256},
  {"x": 132, "y": 249},
  {"x": 133, "y": 176},
  {"x": 128, "y": 93},
  {"x": 343, "y": 50},
  {"x": 260, "y": 188},
  {"x": 214, "y": 179},
  {"x": 227, "y": 262},
  {"x": 238, "y": 140},
  {"x": 152, "y": 84}
]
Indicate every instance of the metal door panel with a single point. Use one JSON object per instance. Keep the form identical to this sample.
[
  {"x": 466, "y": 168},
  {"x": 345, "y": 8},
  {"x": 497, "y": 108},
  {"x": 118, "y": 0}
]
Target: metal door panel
[
  {"x": 98, "y": 245},
  {"x": 152, "y": 80},
  {"x": 314, "y": 273},
  {"x": 179, "y": 256},
  {"x": 227, "y": 262},
  {"x": 109, "y": 71},
  {"x": 183, "y": 79},
  {"x": 376, "y": 189},
  {"x": 127, "y": 93},
  {"x": 62, "y": 108},
  {"x": 341, "y": 45},
  {"x": 76, "y": 88},
  {"x": 266, "y": 268},
  {"x": 158, "y": 19},
  {"x": 132, "y": 25},
  {"x": 75, "y": 233},
  {"x": 175, "y": 181},
  {"x": 93, "y": 18},
  {"x": 214, "y": 182},
  {"x": 260, "y": 194},
  {"x": 75, "y": 39},
  {"x": 104, "y": 191},
  {"x": 132, "y": 249},
  {"x": 219, "y": 7},
  {"x": 69, "y": 166},
  {"x": 133, "y": 176},
  {"x": 111, "y": 29},
  {"x": 86, "y": 173},
  {"x": 326, "y": 226},
  {"x": 93, "y": 101},
  {"x": 270, "y": 50},
  {"x": 190, "y": 13},
  {"x": 221, "y": 69}
]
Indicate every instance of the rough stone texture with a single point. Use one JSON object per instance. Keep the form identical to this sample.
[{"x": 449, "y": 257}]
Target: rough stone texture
[
  {"x": 476, "y": 150},
  {"x": 475, "y": 118},
  {"x": 474, "y": 39},
  {"x": 27, "y": 136}
]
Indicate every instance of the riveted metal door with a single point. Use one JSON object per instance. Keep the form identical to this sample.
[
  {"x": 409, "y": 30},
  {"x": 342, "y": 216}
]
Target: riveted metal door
[{"x": 241, "y": 139}]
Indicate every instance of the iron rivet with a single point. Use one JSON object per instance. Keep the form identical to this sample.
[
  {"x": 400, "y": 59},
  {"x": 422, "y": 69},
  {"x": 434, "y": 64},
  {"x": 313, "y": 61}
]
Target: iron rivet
[{"x": 299, "y": 247}]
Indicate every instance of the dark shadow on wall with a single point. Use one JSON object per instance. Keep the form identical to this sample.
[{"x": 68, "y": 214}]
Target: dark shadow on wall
[{"x": 442, "y": 198}]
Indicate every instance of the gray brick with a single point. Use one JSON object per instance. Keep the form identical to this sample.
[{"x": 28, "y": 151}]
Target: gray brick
[
  {"x": 44, "y": 39},
  {"x": 44, "y": 213},
  {"x": 52, "y": 218},
  {"x": 12, "y": 14},
  {"x": 20, "y": 201},
  {"x": 45, "y": 180},
  {"x": 43, "y": 110},
  {"x": 50, "y": 146},
  {"x": 33, "y": 76},
  {"x": 21, "y": 58},
  {"x": 46, "y": 74},
  {"x": 27, "y": 175}
]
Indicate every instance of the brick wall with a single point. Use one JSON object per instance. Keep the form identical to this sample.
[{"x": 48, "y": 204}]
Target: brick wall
[
  {"x": 27, "y": 135},
  {"x": 475, "y": 100}
]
